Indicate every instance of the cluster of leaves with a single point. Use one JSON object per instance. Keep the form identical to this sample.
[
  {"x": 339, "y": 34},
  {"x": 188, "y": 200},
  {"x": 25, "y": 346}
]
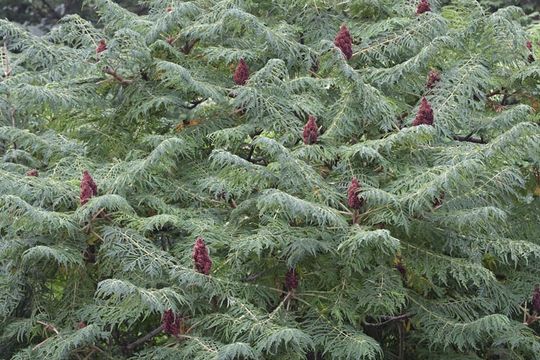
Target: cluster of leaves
[{"x": 246, "y": 179}]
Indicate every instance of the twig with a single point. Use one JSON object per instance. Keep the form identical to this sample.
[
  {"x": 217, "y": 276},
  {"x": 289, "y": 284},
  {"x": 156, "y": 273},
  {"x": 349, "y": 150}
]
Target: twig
[
  {"x": 253, "y": 277},
  {"x": 468, "y": 138},
  {"x": 41, "y": 343},
  {"x": 145, "y": 338},
  {"x": 88, "y": 226},
  {"x": 49, "y": 327},
  {"x": 109, "y": 70},
  {"x": 92, "y": 352},
  {"x": 401, "y": 345},
  {"x": 186, "y": 49},
  {"x": 193, "y": 104},
  {"x": 389, "y": 319}
]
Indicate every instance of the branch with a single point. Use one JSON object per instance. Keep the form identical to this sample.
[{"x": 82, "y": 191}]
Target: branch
[
  {"x": 186, "y": 49},
  {"x": 468, "y": 138},
  {"x": 49, "y": 327},
  {"x": 144, "y": 338},
  {"x": 5, "y": 60},
  {"x": 496, "y": 92},
  {"x": 194, "y": 104},
  {"x": 253, "y": 277},
  {"x": 109, "y": 70},
  {"x": 250, "y": 154},
  {"x": 389, "y": 319}
]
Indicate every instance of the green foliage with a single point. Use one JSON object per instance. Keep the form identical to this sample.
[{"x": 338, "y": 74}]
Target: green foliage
[{"x": 440, "y": 261}]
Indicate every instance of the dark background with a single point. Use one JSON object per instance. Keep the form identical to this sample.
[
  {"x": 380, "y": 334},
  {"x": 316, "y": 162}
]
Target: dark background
[{"x": 40, "y": 15}]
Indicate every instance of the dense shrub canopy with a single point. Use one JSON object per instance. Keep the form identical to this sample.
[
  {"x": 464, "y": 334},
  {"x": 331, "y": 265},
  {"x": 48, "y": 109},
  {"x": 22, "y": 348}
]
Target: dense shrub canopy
[{"x": 288, "y": 179}]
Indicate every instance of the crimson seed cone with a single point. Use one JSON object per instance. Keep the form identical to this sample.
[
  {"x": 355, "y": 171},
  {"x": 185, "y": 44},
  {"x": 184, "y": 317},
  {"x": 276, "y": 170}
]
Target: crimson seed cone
[
  {"x": 311, "y": 131},
  {"x": 32, "y": 172},
  {"x": 88, "y": 188},
  {"x": 400, "y": 266},
  {"x": 536, "y": 299},
  {"x": 81, "y": 325},
  {"x": 202, "y": 260},
  {"x": 352, "y": 195},
  {"x": 424, "y": 115},
  {"x": 291, "y": 280},
  {"x": 423, "y": 6},
  {"x": 102, "y": 46},
  {"x": 241, "y": 74},
  {"x": 433, "y": 78},
  {"x": 438, "y": 201},
  {"x": 343, "y": 41},
  {"x": 171, "y": 323}
]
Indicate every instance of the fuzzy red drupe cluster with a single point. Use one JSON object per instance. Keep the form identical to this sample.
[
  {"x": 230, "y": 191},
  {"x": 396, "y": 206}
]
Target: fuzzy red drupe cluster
[
  {"x": 202, "y": 260},
  {"x": 423, "y": 6},
  {"x": 291, "y": 280},
  {"x": 241, "y": 74},
  {"x": 536, "y": 299},
  {"x": 102, "y": 46},
  {"x": 88, "y": 188},
  {"x": 424, "y": 116},
  {"x": 171, "y": 323},
  {"x": 343, "y": 41},
  {"x": 433, "y": 78},
  {"x": 311, "y": 131},
  {"x": 530, "y": 47},
  {"x": 352, "y": 195}
]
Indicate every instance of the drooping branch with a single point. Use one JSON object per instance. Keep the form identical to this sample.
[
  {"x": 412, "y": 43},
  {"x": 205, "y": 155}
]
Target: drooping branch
[
  {"x": 470, "y": 139},
  {"x": 144, "y": 338}
]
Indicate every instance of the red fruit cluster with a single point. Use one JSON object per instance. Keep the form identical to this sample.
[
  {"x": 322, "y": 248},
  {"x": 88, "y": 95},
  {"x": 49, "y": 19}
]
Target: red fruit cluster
[
  {"x": 437, "y": 203},
  {"x": 81, "y": 325},
  {"x": 291, "y": 280},
  {"x": 241, "y": 74},
  {"x": 531, "y": 56},
  {"x": 343, "y": 41},
  {"x": 433, "y": 78},
  {"x": 352, "y": 195},
  {"x": 88, "y": 188},
  {"x": 102, "y": 46},
  {"x": 423, "y": 6},
  {"x": 32, "y": 172},
  {"x": 171, "y": 323},
  {"x": 311, "y": 131},
  {"x": 202, "y": 260},
  {"x": 424, "y": 115},
  {"x": 536, "y": 299},
  {"x": 400, "y": 266}
]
